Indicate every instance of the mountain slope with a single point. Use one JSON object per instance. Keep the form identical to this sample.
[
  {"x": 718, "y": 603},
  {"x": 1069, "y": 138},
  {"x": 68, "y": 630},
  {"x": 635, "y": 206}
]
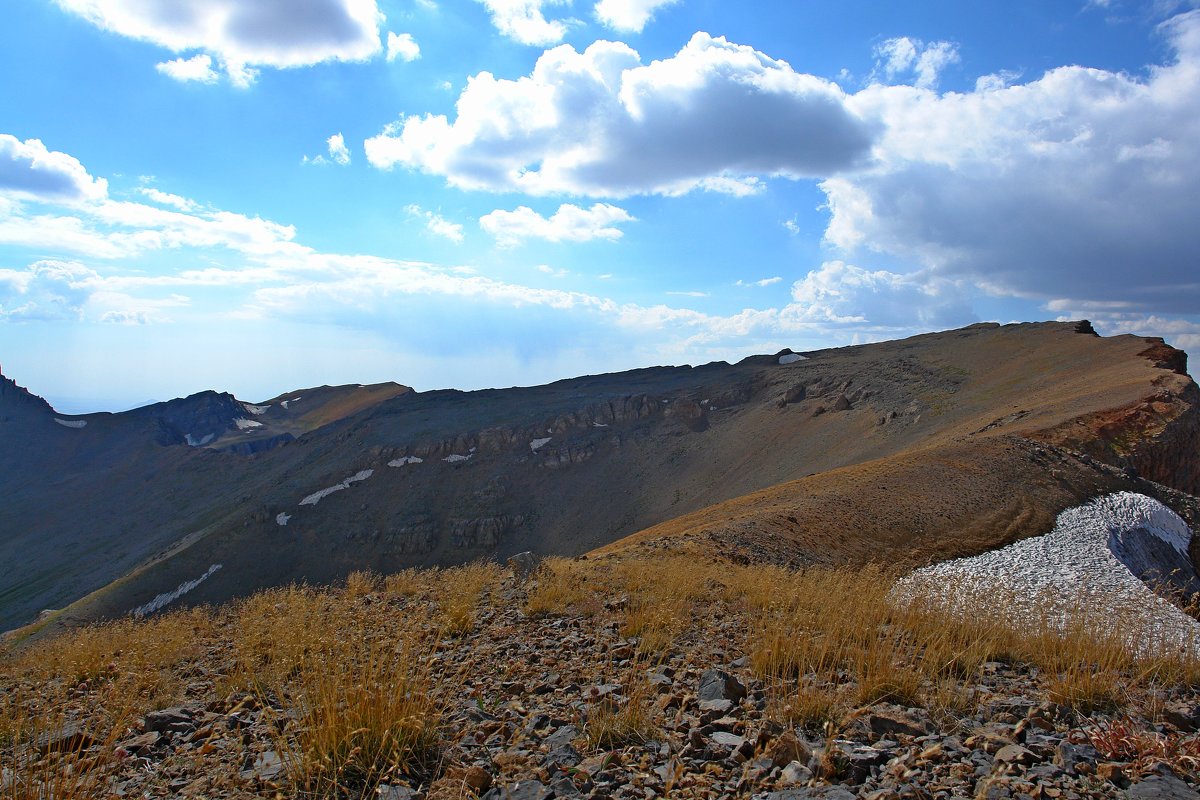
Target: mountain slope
[{"x": 931, "y": 447}]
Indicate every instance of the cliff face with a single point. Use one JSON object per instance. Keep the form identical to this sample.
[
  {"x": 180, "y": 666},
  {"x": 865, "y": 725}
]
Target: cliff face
[{"x": 1157, "y": 438}]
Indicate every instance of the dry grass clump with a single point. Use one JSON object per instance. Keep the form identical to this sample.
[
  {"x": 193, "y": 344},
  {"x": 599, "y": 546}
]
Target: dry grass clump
[
  {"x": 830, "y": 639},
  {"x": 563, "y": 585},
  {"x": 1126, "y": 740},
  {"x": 359, "y": 718},
  {"x": 459, "y": 592},
  {"x": 614, "y": 722},
  {"x": 406, "y": 583},
  {"x": 274, "y": 631}
]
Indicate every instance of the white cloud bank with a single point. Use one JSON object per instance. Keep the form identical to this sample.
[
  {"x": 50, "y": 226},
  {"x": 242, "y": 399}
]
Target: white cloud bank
[
  {"x": 29, "y": 170},
  {"x": 569, "y": 224},
  {"x": 1077, "y": 185},
  {"x": 241, "y": 36},
  {"x": 715, "y": 116},
  {"x": 196, "y": 69},
  {"x": 437, "y": 224}
]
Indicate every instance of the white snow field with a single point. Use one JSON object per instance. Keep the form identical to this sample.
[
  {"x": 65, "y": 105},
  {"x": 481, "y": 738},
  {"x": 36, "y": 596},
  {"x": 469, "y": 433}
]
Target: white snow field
[
  {"x": 317, "y": 497},
  {"x": 538, "y": 444},
  {"x": 792, "y": 358},
  {"x": 256, "y": 410},
  {"x": 454, "y": 458},
  {"x": 166, "y": 598},
  {"x": 1094, "y": 565},
  {"x": 246, "y": 424},
  {"x": 194, "y": 442},
  {"x": 72, "y": 423},
  {"x": 281, "y": 519},
  {"x": 404, "y": 460}
]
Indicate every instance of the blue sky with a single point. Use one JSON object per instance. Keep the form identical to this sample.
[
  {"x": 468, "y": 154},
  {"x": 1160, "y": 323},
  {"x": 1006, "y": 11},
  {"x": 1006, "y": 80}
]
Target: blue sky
[{"x": 258, "y": 197}]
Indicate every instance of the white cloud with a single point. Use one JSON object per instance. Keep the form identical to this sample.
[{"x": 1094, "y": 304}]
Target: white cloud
[
  {"x": 402, "y": 46},
  {"x": 845, "y": 294},
  {"x": 338, "y": 153},
  {"x": 241, "y": 36},
  {"x": 337, "y": 149},
  {"x": 688, "y": 294},
  {"x": 167, "y": 199},
  {"x": 437, "y": 224},
  {"x": 523, "y": 21},
  {"x": 47, "y": 290},
  {"x": 792, "y": 227},
  {"x": 1080, "y": 184},
  {"x": 763, "y": 282},
  {"x": 715, "y": 116},
  {"x": 925, "y": 61},
  {"x": 628, "y": 15},
  {"x": 198, "y": 68},
  {"x": 569, "y": 224},
  {"x": 29, "y": 170}
]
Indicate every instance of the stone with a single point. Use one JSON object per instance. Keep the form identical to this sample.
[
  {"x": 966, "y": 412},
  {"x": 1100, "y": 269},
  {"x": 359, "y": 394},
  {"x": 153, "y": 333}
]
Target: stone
[
  {"x": 730, "y": 740},
  {"x": 1161, "y": 787},
  {"x": 169, "y": 719},
  {"x": 564, "y": 736},
  {"x": 70, "y": 737},
  {"x": 1070, "y": 756},
  {"x": 787, "y": 748},
  {"x": 894, "y": 722},
  {"x": 390, "y": 792},
  {"x": 795, "y": 773},
  {"x": 478, "y": 779},
  {"x": 1015, "y": 754},
  {"x": 523, "y": 565},
  {"x": 522, "y": 790},
  {"x": 717, "y": 684},
  {"x": 813, "y": 793}
]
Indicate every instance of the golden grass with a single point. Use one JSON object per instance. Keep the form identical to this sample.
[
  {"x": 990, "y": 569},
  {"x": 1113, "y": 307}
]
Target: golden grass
[
  {"x": 562, "y": 586},
  {"x": 460, "y": 591},
  {"x": 358, "y": 720}
]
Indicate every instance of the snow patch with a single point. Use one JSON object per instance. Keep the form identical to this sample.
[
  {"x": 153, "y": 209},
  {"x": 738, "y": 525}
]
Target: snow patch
[
  {"x": 244, "y": 424},
  {"x": 255, "y": 410},
  {"x": 287, "y": 402},
  {"x": 400, "y": 462},
  {"x": 454, "y": 458},
  {"x": 792, "y": 358},
  {"x": 194, "y": 442},
  {"x": 166, "y": 598},
  {"x": 281, "y": 519},
  {"x": 1097, "y": 560},
  {"x": 599, "y": 425},
  {"x": 72, "y": 423},
  {"x": 317, "y": 497},
  {"x": 538, "y": 444}
]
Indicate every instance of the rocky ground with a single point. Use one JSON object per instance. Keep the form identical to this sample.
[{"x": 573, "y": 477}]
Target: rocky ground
[{"x": 567, "y": 705}]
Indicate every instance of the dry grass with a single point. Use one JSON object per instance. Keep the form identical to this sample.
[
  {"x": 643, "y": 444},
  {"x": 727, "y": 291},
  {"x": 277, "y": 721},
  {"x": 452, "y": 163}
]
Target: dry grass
[
  {"x": 54, "y": 745},
  {"x": 358, "y": 720},
  {"x": 460, "y": 590},
  {"x": 562, "y": 586},
  {"x": 613, "y": 723}
]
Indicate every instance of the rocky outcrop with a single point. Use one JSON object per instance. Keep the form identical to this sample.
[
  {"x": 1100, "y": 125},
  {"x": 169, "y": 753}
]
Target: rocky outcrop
[
  {"x": 18, "y": 403},
  {"x": 483, "y": 532},
  {"x": 262, "y": 445},
  {"x": 197, "y": 419}
]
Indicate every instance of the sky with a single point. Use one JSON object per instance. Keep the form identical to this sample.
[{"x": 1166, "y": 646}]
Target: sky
[{"x": 259, "y": 197}]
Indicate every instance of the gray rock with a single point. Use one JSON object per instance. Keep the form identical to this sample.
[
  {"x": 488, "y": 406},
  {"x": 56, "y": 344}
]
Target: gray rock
[
  {"x": 389, "y": 792},
  {"x": 813, "y": 793},
  {"x": 522, "y": 790},
  {"x": 717, "y": 684},
  {"x": 1069, "y": 756},
  {"x": 562, "y": 737},
  {"x": 523, "y": 565},
  {"x": 795, "y": 773},
  {"x": 1161, "y": 787},
  {"x": 730, "y": 740}
]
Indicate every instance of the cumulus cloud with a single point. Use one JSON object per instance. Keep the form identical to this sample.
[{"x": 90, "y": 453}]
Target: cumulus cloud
[
  {"x": 198, "y": 68},
  {"x": 845, "y": 294},
  {"x": 167, "y": 199},
  {"x": 337, "y": 149},
  {"x": 1080, "y": 184},
  {"x": 437, "y": 224},
  {"x": 902, "y": 55},
  {"x": 628, "y": 15},
  {"x": 523, "y": 21},
  {"x": 47, "y": 290},
  {"x": 241, "y": 36},
  {"x": 715, "y": 116},
  {"x": 402, "y": 46},
  {"x": 29, "y": 170},
  {"x": 569, "y": 224}
]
